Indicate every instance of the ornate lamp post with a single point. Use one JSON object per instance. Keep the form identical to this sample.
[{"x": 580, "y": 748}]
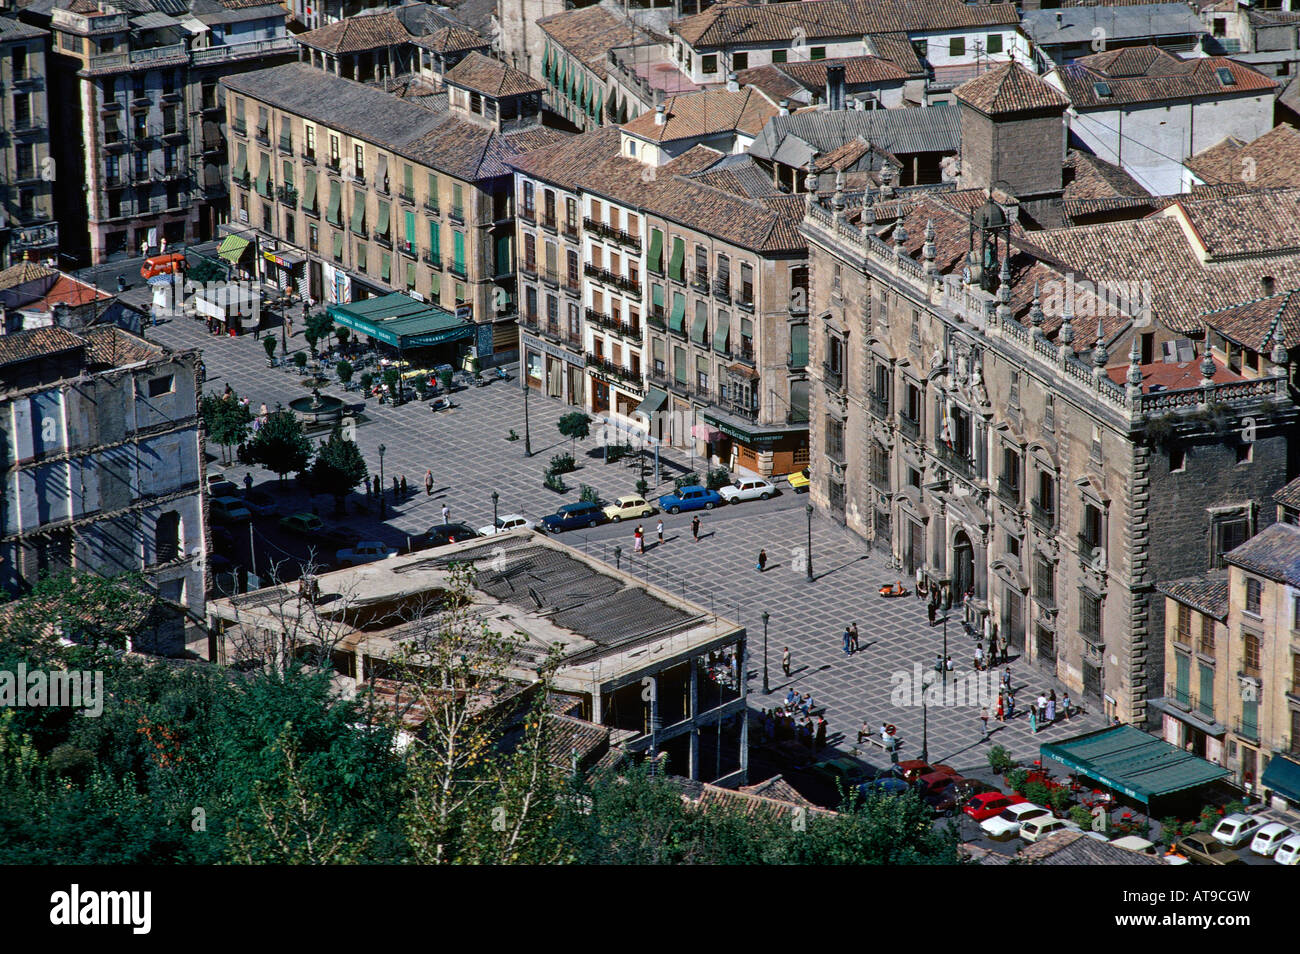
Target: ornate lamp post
[
  {"x": 808, "y": 562},
  {"x": 767, "y": 688}
]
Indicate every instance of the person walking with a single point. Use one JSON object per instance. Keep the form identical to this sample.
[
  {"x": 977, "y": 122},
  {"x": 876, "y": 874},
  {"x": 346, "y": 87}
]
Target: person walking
[
  {"x": 1033, "y": 722},
  {"x": 931, "y": 609},
  {"x": 1049, "y": 715},
  {"x": 248, "y": 481},
  {"x": 1006, "y": 680},
  {"x": 1011, "y": 704},
  {"x": 979, "y": 657},
  {"x": 695, "y": 527},
  {"x": 446, "y": 515},
  {"x": 428, "y": 483},
  {"x": 846, "y": 638},
  {"x": 984, "y": 718},
  {"x": 1065, "y": 704},
  {"x": 853, "y": 636},
  {"x": 638, "y": 540},
  {"x": 785, "y": 661},
  {"x": 821, "y": 732},
  {"x": 1000, "y": 709},
  {"x": 762, "y": 560},
  {"x": 1041, "y": 705},
  {"x": 659, "y": 529},
  {"x": 920, "y": 584},
  {"x": 403, "y": 486}
]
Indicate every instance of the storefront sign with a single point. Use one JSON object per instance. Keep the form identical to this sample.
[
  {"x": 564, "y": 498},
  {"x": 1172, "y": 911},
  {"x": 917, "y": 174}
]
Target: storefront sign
[{"x": 554, "y": 351}]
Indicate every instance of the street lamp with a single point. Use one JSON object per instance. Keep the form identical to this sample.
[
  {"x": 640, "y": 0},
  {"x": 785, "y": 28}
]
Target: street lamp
[
  {"x": 528, "y": 441},
  {"x": 382, "y": 451},
  {"x": 808, "y": 561},
  {"x": 495, "y": 497},
  {"x": 766, "y": 686},
  {"x": 926, "y": 680},
  {"x": 618, "y": 558}
]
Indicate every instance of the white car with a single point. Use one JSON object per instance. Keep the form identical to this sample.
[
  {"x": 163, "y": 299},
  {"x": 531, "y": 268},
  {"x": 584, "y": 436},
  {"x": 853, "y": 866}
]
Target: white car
[
  {"x": 1288, "y": 853},
  {"x": 1007, "y": 824},
  {"x": 228, "y": 510},
  {"x": 1236, "y": 828},
  {"x": 1136, "y": 844},
  {"x": 367, "y": 551},
  {"x": 1268, "y": 838},
  {"x": 506, "y": 523},
  {"x": 747, "y": 488},
  {"x": 1034, "y": 829}
]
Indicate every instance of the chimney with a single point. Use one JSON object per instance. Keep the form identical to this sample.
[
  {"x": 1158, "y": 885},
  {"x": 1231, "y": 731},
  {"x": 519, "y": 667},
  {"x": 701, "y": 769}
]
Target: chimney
[
  {"x": 659, "y": 115},
  {"x": 835, "y": 86},
  {"x": 732, "y": 85},
  {"x": 784, "y": 108},
  {"x": 1267, "y": 286},
  {"x": 1059, "y": 17}
]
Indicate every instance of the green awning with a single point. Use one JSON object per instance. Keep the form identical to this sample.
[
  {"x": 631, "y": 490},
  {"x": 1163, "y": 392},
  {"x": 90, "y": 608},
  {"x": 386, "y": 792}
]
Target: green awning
[
  {"x": 309, "y": 189},
  {"x": 654, "y": 401},
  {"x": 600, "y": 103},
  {"x": 720, "y": 336},
  {"x": 1130, "y": 762},
  {"x": 546, "y": 63},
  {"x": 401, "y": 321},
  {"x": 699, "y": 329},
  {"x": 264, "y": 175},
  {"x": 385, "y": 266},
  {"x": 677, "y": 320},
  {"x": 657, "y": 296},
  {"x": 358, "y": 211},
  {"x": 382, "y": 227},
  {"x": 338, "y": 246},
  {"x": 241, "y": 162},
  {"x": 232, "y": 248},
  {"x": 336, "y": 200},
  {"x": 1283, "y": 776},
  {"x": 678, "y": 257}
]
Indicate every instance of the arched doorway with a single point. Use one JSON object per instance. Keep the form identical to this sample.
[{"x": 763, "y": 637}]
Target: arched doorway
[{"x": 963, "y": 566}]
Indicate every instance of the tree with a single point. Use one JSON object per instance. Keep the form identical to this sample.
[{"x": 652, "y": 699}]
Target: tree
[
  {"x": 206, "y": 272},
  {"x": 281, "y": 446},
  {"x": 344, "y": 370},
  {"x": 575, "y": 426},
  {"x": 339, "y": 467},
  {"x": 226, "y": 419},
  {"x": 344, "y": 333},
  {"x": 300, "y": 359},
  {"x": 367, "y": 382},
  {"x": 268, "y": 343},
  {"x": 319, "y": 327}
]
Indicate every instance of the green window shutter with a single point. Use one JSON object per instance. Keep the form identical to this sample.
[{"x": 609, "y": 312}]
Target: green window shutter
[
  {"x": 1182, "y": 676},
  {"x": 546, "y": 63},
  {"x": 287, "y": 177},
  {"x": 410, "y": 274},
  {"x": 361, "y": 256},
  {"x": 678, "y": 257},
  {"x": 435, "y": 285},
  {"x": 721, "y": 334},
  {"x": 679, "y": 364},
  {"x": 458, "y": 200},
  {"x": 309, "y": 190},
  {"x": 408, "y": 179},
  {"x": 385, "y": 265},
  {"x": 409, "y": 227},
  {"x": 241, "y": 162},
  {"x": 657, "y": 296},
  {"x": 677, "y": 320},
  {"x": 746, "y": 328},
  {"x": 435, "y": 240},
  {"x": 358, "y": 211},
  {"x": 656, "y": 260},
  {"x": 338, "y": 245},
  {"x": 336, "y": 200},
  {"x": 264, "y": 174},
  {"x": 700, "y": 326},
  {"x": 433, "y": 191},
  {"x": 503, "y": 255},
  {"x": 798, "y": 346},
  {"x": 458, "y": 239},
  {"x": 384, "y": 209},
  {"x": 598, "y": 110}
]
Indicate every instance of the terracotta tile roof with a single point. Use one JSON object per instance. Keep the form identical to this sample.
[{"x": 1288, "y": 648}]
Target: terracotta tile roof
[
  {"x": 1088, "y": 177},
  {"x": 738, "y": 23},
  {"x": 112, "y": 347},
  {"x": 713, "y": 796},
  {"x": 898, "y": 49},
  {"x": 1261, "y": 222},
  {"x": 588, "y": 33},
  {"x": 24, "y": 272},
  {"x": 1174, "y": 376},
  {"x": 566, "y": 164},
  {"x": 1289, "y": 496},
  {"x": 568, "y": 736},
  {"x": 491, "y": 77},
  {"x": 1147, "y": 74},
  {"x": 452, "y": 39},
  {"x": 1203, "y": 594},
  {"x": 37, "y": 343},
  {"x": 740, "y": 175},
  {"x": 706, "y": 113},
  {"x": 1274, "y": 552},
  {"x": 1252, "y": 324},
  {"x": 1009, "y": 89},
  {"x": 858, "y": 71},
  {"x": 777, "y": 788},
  {"x": 774, "y": 83},
  {"x": 371, "y": 31},
  {"x": 1271, "y": 160},
  {"x": 1076, "y": 848}
]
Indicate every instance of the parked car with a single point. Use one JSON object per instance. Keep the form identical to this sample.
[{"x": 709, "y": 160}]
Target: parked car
[
  {"x": 949, "y": 799},
  {"x": 1269, "y": 838},
  {"x": 799, "y": 481},
  {"x": 367, "y": 551},
  {"x": 166, "y": 264},
  {"x": 1007, "y": 823},
  {"x": 570, "y": 516},
  {"x": 934, "y": 782},
  {"x": 222, "y": 488},
  {"x": 1288, "y": 853},
  {"x": 1205, "y": 849},
  {"x": 846, "y": 770},
  {"x": 989, "y": 804},
  {"x": 912, "y": 769},
  {"x": 1034, "y": 829},
  {"x": 689, "y": 498},
  {"x": 628, "y": 507},
  {"x": 229, "y": 510},
  {"x": 302, "y": 524},
  {"x": 261, "y": 503},
  {"x": 887, "y": 785},
  {"x": 441, "y": 534},
  {"x": 1136, "y": 844},
  {"x": 505, "y": 523},
  {"x": 747, "y": 488},
  {"x": 1237, "y": 828}
]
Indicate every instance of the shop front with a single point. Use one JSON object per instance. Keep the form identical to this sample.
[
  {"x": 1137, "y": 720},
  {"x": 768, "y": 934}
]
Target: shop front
[
  {"x": 423, "y": 334},
  {"x": 768, "y": 450},
  {"x": 286, "y": 270},
  {"x": 553, "y": 370}
]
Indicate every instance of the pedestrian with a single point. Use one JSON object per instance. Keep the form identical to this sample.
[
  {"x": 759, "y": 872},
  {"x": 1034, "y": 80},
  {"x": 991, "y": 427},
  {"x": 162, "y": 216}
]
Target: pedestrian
[
  {"x": 864, "y": 733},
  {"x": 979, "y": 656},
  {"x": 821, "y": 732},
  {"x": 1033, "y": 722},
  {"x": 785, "y": 661},
  {"x": 920, "y": 584},
  {"x": 403, "y": 486},
  {"x": 1041, "y": 705},
  {"x": 366, "y": 481},
  {"x": 695, "y": 527},
  {"x": 931, "y": 609},
  {"x": 948, "y": 664},
  {"x": 1049, "y": 715},
  {"x": 1000, "y": 709},
  {"x": 1011, "y": 704},
  {"x": 847, "y": 639},
  {"x": 638, "y": 542},
  {"x": 446, "y": 515},
  {"x": 993, "y": 652},
  {"x": 395, "y": 486},
  {"x": 853, "y": 636},
  {"x": 1065, "y": 704},
  {"x": 428, "y": 483},
  {"x": 984, "y": 718},
  {"x": 762, "y": 559},
  {"x": 248, "y": 481},
  {"x": 659, "y": 529}
]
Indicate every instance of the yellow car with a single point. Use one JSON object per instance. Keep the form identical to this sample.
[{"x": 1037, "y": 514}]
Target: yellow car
[
  {"x": 798, "y": 481},
  {"x": 630, "y": 507}
]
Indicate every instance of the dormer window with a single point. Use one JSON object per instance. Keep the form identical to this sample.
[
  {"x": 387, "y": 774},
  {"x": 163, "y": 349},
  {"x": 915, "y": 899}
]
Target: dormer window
[
  {"x": 1225, "y": 76},
  {"x": 1102, "y": 90}
]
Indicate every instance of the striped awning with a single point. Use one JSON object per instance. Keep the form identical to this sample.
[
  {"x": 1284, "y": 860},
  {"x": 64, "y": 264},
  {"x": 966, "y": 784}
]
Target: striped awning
[{"x": 232, "y": 248}]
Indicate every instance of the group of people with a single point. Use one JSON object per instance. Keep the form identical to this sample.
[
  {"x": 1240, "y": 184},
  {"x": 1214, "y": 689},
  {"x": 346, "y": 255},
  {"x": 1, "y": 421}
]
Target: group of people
[
  {"x": 795, "y": 719},
  {"x": 850, "y": 638},
  {"x": 1043, "y": 711},
  {"x": 638, "y": 536}
]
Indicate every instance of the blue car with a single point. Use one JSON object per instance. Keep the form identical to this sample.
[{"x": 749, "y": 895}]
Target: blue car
[
  {"x": 690, "y": 498},
  {"x": 574, "y": 515},
  {"x": 885, "y": 785}
]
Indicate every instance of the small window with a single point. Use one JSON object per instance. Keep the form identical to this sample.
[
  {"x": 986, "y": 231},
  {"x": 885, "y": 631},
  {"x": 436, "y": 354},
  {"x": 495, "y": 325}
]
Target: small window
[
  {"x": 778, "y": 56},
  {"x": 817, "y": 53},
  {"x": 1245, "y": 452},
  {"x": 1225, "y": 76},
  {"x": 1254, "y": 592},
  {"x": 162, "y": 385},
  {"x": 709, "y": 63},
  {"x": 739, "y": 61},
  {"x": 1177, "y": 460},
  {"x": 957, "y": 46},
  {"x": 1102, "y": 90},
  {"x": 1295, "y": 612},
  {"x": 994, "y": 43}
]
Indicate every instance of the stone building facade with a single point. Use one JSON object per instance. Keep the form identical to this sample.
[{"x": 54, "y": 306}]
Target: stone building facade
[{"x": 27, "y": 173}]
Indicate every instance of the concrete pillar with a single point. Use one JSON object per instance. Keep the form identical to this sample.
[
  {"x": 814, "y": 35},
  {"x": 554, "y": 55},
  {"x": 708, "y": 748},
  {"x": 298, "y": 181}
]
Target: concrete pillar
[{"x": 694, "y": 767}]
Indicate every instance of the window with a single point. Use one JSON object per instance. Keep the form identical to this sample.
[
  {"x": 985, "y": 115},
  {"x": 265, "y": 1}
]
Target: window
[
  {"x": 709, "y": 63},
  {"x": 993, "y": 44},
  {"x": 1013, "y": 398},
  {"x": 817, "y": 53},
  {"x": 1090, "y": 615},
  {"x": 309, "y": 141},
  {"x": 1177, "y": 460},
  {"x": 1044, "y": 580},
  {"x": 360, "y": 153},
  {"x": 1254, "y": 592},
  {"x": 162, "y": 385},
  {"x": 739, "y": 61},
  {"x": 1250, "y": 646},
  {"x": 1206, "y": 646},
  {"x": 779, "y": 56},
  {"x": 835, "y": 441},
  {"x": 1093, "y": 534},
  {"x": 1244, "y": 451},
  {"x": 1229, "y": 532},
  {"x": 1184, "y": 624},
  {"x": 746, "y": 284},
  {"x": 957, "y": 46},
  {"x": 529, "y": 201},
  {"x": 1295, "y": 612},
  {"x": 167, "y": 537}
]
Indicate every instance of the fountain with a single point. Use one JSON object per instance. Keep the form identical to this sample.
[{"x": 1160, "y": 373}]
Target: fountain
[{"x": 317, "y": 409}]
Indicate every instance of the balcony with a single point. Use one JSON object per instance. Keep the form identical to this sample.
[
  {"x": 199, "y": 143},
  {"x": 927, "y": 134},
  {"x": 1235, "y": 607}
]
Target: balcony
[
  {"x": 286, "y": 146},
  {"x": 879, "y": 405},
  {"x": 26, "y": 78},
  {"x": 385, "y": 240},
  {"x": 612, "y": 234},
  {"x": 625, "y": 285},
  {"x": 796, "y": 360},
  {"x": 663, "y": 380},
  {"x": 334, "y": 165},
  {"x": 745, "y": 352},
  {"x": 548, "y": 223},
  {"x": 909, "y": 428},
  {"x": 458, "y": 269},
  {"x": 700, "y": 281},
  {"x": 526, "y": 214},
  {"x": 609, "y": 369},
  {"x": 656, "y": 319},
  {"x": 955, "y": 459},
  {"x": 239, "y": 127},
  {"x": 1008, "y": 492},
  {"x": 457, "y": 215},
  {"x": 409, "y": 249},
  {"x": 722, "y": 289},
  {"x": 433, "y": 261},
  {"x": 551, "y": 277},
  {"x": 833, "y": 378},
  {"x": 529, "y": 320},
  {"x": 746, "y": 300},
  {"x": 1181, "y": 696},
  {"x": 1043, "y": 517},
  {"x": 1246, "y": 730},
  {"x": 570, "y": 230},
  {"x": 431, "y": 205},
  {"x": 879, "y": 479},
  {"x": 263, "y": 135},
  {"x": 406, "y": 195},
  {"x": 1088, "y": 545},
  {"x": 287, "y": 195}
]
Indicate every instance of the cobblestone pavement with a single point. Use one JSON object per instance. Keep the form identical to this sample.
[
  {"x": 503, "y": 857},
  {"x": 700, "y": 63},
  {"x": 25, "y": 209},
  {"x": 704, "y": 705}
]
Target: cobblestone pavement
[{"x": 467, "y": 450}]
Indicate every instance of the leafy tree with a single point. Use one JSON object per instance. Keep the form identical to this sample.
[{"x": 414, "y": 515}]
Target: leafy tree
[
  {"x": 344, "y": 370},
  {"x": 206, "y": 271},
  {"x": 268, "y": 344},
  {"x": 367, "y": 381},
  {"x": 343, "y": 333},
  {"x": 226, "y": 420},
  {"x": 319, "y": 326},
  {"x": 575, "y": 426},
  {"x": 392, "y": 378},
  {"x": 339, "y": 467},
  {"x": 280, "y": 445},
  {"x": 300, "y": 359}
]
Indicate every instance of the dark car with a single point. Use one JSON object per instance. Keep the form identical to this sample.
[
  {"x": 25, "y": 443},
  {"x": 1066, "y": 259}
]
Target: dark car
[
  {"x": 935, "y": 782},
  {"x": 442, "y": 534},
  {"x": 571, "y": 516},
  {"x": 1204, "y": 849},
  {"x": 950, "y": 799},
  {"x": 846, "y": 770},
  {"x": 912, "y": 769},
  {"x": 886, "y": 785}
]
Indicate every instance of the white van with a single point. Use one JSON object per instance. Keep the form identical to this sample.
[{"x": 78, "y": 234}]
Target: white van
[
  {"x": 1038, "y": 828},
  {"x": 1136, "y": 844},
  {"x": 1288, "y": 853}
]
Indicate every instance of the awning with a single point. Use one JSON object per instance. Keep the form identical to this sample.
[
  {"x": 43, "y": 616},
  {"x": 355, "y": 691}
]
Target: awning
[
  {"x": 700, "y": 329},
  {"x": 381, "y": 172},
  {"x": 410, "y": 274},
  {"x": 338, "y": 246},
  {"x": 401, "y": 321},
  {"x": 679, "y": 256},
  {"x": 654, "y": 402},
  {"x": 385, "y": 266},
  {"x": 381, "y": 228},
  {"x": 309, "y": 190},
  {"x": 656, "y": 259},
  {"x": 232, "y": 248},
  {"x": 720, "y": 336},
  {"x": 336, "y": 199},
  {"x": 264, "y": 175},
  {"x": 241, "y": 162},
  {"x": 1283, "y": 776},
  {"x": 358, "y": 221},
  {"x": 1129, "y": 761},
  {"x": 677, "y": 320},
  {"x": 361, "y": 256}
]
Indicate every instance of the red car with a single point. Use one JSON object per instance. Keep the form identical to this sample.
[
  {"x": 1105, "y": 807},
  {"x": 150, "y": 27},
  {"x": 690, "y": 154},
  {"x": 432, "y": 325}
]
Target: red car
[
  {"x": 912, "y": 769},
  {"x": 934, "y": 782},
  {"x": 987, "y": 805}
]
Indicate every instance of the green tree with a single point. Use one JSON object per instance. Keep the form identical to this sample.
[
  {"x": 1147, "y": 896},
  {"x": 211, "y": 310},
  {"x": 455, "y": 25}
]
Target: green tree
[
  {"x": 367, "y": 382},
  {"x": 339, "y": 467},
  {"x": 343, "y": 333},
  {"x": 226, "y": 420},
  {"x": 392, "y": 378},
  {"x": 281, "y": 446},
  {"x": 319, "y": 326},
  {"x": 268, "y": 344},
  {"x": 206, "y": 271},
  {"x": 300, "y": 359},
  {"x": 344, "y": 370},
  {"x": 575, "y": 426}
]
